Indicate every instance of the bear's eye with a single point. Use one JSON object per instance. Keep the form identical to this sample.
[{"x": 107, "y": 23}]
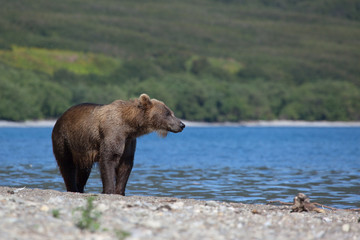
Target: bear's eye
[{"x": 168, "y": 113}]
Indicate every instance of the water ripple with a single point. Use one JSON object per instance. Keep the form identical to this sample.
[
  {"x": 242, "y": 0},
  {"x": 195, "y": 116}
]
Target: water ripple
[{"x": 249, "y": 165}]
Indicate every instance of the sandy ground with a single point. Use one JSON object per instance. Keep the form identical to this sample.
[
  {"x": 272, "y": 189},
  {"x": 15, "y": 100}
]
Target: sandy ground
[{"x": 48, "y": 214}]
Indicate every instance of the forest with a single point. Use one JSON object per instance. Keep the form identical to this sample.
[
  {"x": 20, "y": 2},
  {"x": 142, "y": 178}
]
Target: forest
[{"x": 208, "y": 60}]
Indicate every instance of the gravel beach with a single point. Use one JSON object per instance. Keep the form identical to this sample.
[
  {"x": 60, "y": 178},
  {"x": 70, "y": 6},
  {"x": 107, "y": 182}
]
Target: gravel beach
[{"x": 48, "y": 214}]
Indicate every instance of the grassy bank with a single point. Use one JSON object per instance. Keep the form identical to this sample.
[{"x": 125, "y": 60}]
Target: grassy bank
[{"x": 208, "y": 60}]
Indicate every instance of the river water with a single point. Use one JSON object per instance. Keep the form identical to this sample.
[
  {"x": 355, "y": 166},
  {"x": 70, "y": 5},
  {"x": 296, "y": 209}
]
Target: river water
[{"x": 240, "y": 164}]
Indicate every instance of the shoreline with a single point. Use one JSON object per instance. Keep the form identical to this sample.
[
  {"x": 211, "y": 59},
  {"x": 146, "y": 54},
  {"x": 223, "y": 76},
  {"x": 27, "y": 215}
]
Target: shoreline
[
  {"x": 259, "y": 123},
  {"x": 42, "y": 214},
  {"x": 275, "y": 123}
]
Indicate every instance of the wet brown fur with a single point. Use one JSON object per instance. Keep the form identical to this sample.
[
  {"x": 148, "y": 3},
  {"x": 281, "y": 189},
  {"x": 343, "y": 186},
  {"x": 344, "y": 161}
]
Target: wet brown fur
[{"x": 89, "y": 133}]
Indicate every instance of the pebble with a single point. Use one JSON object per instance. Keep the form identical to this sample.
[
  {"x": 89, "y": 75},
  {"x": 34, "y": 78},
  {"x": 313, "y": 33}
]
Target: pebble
[
  {"x": 346, "y": 227},
  {"x": 153, "y": 224},
  {"x": 28, "y": 214},
  {"x": 44, "y": 208},
  {"x": 212, "y": 203},
  {"x": 320, "y": 234},
  {"x": 177, "y": 205},
  {"x": 102, "y": 207}
]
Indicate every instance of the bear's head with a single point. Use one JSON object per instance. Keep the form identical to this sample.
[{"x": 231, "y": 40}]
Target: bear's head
[{"x": 159, "y": 117}]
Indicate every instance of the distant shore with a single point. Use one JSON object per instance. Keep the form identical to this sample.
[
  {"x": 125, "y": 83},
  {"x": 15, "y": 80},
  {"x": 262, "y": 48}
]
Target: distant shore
[
  {"x": 275, "y": 123},
  {"x": 259, "y": 123},
  {"x": 32, "y": 123}
]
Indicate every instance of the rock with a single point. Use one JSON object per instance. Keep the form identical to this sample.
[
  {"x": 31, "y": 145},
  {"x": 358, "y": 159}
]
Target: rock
[
  {"x": 153, "y": 224},
  {"x": 102, "y": 207},
  {"x": 320, "y": 234},
  {"x": 44, "y": 208},
  {"x": 212, "y": 203},
  {"x": 346, "y": 227},
  {"x": 177, "y": 205},
  {"x": 326, "y": 219}
]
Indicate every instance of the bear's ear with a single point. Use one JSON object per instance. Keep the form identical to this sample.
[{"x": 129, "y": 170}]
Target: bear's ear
[{"x": 145, "y": 100}]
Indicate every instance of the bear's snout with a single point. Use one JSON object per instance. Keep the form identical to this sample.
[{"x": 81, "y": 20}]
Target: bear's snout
[
  {"x": 180, "y": 126},
  {"x": 177, "y": 126}
]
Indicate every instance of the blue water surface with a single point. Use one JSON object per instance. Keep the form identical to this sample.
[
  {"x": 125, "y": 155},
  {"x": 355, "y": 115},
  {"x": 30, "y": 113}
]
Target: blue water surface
[{"x": 241, "y": 164}]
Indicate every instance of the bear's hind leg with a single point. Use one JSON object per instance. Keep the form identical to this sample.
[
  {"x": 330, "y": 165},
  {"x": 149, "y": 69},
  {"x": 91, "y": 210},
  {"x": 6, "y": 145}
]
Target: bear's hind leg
[
  {"x": 82, "y": 175},
  {"x": 64, "y": 159},
  {"x": 68, "y": 171}
]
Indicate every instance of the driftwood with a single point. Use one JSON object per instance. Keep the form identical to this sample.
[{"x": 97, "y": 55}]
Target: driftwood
[
  {"x": 16, "y": 190},
  {"x": 302, "y": 203}
]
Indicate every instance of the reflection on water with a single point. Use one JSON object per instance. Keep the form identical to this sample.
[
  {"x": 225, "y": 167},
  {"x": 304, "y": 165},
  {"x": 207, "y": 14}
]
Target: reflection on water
[{"x": 249, "y": 165}]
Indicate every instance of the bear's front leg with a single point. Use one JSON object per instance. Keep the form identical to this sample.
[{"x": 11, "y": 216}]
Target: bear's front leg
[
  {"x": 123, "y": 173},
  {"x": 126, "y": 164},
  {"x": 107, "y": 172},
  {"x": 110, "y": 155}
]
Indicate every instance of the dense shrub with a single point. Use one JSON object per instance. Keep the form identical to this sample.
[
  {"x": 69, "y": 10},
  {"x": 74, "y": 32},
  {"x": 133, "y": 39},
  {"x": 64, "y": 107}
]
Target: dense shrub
[{"x": 221, "y": 60}]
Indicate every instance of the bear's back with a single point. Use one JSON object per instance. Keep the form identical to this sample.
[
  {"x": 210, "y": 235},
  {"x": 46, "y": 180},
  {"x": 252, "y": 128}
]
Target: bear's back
[
  {"x": 78, "y": 114},
  {"x": 76, "y": 122}
]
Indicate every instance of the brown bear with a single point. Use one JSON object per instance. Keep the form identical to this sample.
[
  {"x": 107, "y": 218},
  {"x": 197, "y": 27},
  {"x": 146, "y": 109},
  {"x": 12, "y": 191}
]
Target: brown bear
[{"x": 89, "y": 133}]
